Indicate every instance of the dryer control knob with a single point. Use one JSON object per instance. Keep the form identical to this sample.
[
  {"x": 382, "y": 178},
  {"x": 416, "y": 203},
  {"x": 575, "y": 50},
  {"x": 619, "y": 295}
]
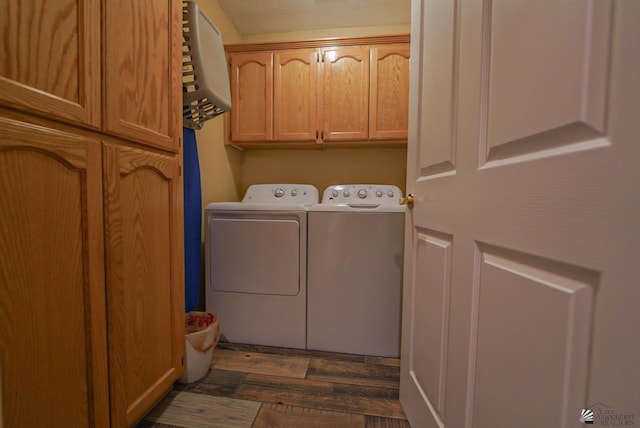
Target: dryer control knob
[
  {"x": 334, "y": 193},
  {"x": 279, "y": 193},
  {"x": 362, "y": 193},
  {"x": 379, "y": 193},
  {"x": 346, "y": 193},
  {"x": 390, "y": 193},
  {"x": 294, "y": 192}
]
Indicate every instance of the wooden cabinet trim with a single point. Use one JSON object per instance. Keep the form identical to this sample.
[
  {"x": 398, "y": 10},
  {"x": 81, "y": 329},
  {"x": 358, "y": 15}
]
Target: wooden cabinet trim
[{"x": 318, "y": 43}]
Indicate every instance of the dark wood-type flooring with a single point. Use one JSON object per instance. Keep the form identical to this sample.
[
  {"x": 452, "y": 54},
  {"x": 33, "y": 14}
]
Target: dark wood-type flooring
[{"x": 259, "y": 386}]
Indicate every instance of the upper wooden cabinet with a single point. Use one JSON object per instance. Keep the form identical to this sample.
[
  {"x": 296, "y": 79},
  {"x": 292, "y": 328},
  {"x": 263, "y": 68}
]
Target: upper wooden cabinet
[
  {"x": 295, "y": 111},
  {"x": 252, "y": 96},
  {"x": 316, "y": 93},
  {"x": 389, "y": 96},
  {"x": 57, "y": 54},
  {"x": 142, "y": 58},
  {"x": 345, "y": 93},
  {"x": 50, "y": 59}
]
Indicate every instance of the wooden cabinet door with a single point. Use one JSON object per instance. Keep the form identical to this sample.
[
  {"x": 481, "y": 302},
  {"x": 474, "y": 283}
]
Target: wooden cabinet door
[
  {"x": 53, "y": 355},
  {"x": 295, "y": 95},
  {"x": 389, "y": 95},
  {"x": 50, "y": 59},
  {"x": 252, "y": 96},
  {"x": 345, "y": 92},
  {"x": 142, "y": 71},
  {"x": 145, "y": 281}
]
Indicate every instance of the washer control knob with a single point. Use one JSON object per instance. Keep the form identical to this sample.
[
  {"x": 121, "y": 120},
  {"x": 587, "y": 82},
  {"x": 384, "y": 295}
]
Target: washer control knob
[
  {"x": 390, "y": 193},
  {"x": 362, "y": 193},
  {"x": 334, "y": 193},
  {"x": 294, "y": 192},
  {"x": 379, "y": 193},
  {"x": 346, "y": 193},
  {"x": 279, "y": 193}
]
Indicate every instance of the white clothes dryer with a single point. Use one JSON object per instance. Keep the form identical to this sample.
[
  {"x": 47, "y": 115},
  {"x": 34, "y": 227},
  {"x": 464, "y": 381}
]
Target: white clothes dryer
[
  {"x": 256, "y": 264},
  {"x": 356, "y": 238}
]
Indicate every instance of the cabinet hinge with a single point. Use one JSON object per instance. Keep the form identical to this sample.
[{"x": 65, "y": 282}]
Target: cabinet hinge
[{"x": 322, "y": 135}]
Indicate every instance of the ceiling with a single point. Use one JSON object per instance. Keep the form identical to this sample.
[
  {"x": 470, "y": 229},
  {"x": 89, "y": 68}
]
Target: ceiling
[{"x": 280, "y": 16}]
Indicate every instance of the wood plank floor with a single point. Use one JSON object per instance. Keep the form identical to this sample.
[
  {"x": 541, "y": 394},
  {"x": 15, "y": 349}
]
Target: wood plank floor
[{"x": 266, "y": 387}]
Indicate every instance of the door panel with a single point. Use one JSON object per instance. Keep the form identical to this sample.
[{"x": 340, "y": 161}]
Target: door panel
[
  {"x": 295, "y": 111},
  {"x": 52, "y": 340},
  {"x": 252, "y": 96},
  {"x": 437, "y": 80},
  {"x": 433, "y": 273},
  {"x": 528, "y": 309},
  {"x": 389, "y": 92},
  {"x": 145, "y": 306},
  {"x": 142, "y": 71},
  {"x": 346, "y": 93},
  {"x": 523, "y": 145},
  {"x": 50, "y": 59},
  {"x": 562, "y": 75}
]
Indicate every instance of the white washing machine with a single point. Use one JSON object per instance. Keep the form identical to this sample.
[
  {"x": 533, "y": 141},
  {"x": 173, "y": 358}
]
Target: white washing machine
[
  {"x": 355, "y": 262},
  {"x": 256, "y": 264}
]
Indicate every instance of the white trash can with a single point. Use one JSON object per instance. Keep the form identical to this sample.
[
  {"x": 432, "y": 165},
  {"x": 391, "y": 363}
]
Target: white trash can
[{"x": 202, "y": 335}]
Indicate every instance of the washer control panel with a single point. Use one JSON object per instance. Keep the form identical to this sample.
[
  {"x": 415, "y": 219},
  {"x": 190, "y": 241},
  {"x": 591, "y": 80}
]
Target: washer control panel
[
  {"x": 362, "y": 194},
  {"x": 282, "y": 193}
]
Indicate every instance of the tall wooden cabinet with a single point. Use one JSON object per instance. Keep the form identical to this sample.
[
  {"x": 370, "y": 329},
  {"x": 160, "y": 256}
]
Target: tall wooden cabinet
[
  {"x": 144, "y": 267},
  {"x": 53, "y": 354},
  {"x": 91, "y": 238},
  {"x": 336, "y": 92}
]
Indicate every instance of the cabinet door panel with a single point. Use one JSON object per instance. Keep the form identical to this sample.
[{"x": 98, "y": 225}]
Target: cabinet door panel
[
  {"x": 346, "y": 93},
  {"x": 52, "y": 339},
  {"x": 145, "y": 282},
  {"x": 50, "y": 59},
  {"x": 389, "y": 102},
  {"x": 143, "y": 80},
  {"x": 295, "y": 94},
  {"x": 252, "y": 96}
]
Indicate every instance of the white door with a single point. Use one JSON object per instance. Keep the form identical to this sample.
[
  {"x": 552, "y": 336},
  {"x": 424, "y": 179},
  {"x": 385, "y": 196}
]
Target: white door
[{"x": 522, "y": 272}]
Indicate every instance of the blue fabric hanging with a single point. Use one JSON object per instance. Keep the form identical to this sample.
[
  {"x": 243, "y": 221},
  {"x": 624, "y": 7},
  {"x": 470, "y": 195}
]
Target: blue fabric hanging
[{"x": 192, "y": 219}]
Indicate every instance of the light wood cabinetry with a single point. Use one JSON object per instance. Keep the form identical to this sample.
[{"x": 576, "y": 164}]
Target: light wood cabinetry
[
  {"x": 91, "y": 237},
  {"x": 295, "y": 110},
  {"x": 52, "y": 67},
  {"x": 52, "y": 295},
  {"x": 252, "y": 96},
  {"x": 389, "y": 96},
  {"x": 345, "y": 89},
  {"x": 340, "y": 92},
  {"x": 144, "y": 254},
  {"x": 142, "y": 70}
]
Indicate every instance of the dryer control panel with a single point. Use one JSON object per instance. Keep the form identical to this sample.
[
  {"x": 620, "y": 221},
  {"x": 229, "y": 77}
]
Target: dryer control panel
[
  {"x": 362, "y": 194},
  {"x": 281, "y": 193}
]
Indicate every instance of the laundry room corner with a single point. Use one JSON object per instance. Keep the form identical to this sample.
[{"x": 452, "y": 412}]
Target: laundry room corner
[{"x": 219, "y": 164}]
